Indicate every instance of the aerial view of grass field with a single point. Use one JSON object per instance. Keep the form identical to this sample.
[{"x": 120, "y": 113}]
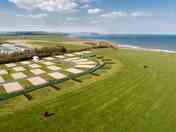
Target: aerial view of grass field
[
  {"x": 133, "y": 91},
  {"x": 87, "y": 66}
]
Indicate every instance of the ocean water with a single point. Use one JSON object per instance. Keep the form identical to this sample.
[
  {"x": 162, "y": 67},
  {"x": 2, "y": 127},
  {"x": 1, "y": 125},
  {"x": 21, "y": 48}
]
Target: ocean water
[{"x": 163, "y": 42}]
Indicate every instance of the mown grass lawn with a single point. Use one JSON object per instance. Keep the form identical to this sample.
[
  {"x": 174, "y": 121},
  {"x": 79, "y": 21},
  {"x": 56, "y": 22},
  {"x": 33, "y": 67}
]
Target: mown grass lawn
[{"x": 126, "y": 97}]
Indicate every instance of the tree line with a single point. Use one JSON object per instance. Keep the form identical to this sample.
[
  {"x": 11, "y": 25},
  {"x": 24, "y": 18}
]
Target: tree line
[{"x": 28, "y": 54}]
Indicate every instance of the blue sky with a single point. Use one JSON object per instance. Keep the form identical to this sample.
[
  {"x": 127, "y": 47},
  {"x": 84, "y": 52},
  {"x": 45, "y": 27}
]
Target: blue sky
[{"x": 104, "y": 16}]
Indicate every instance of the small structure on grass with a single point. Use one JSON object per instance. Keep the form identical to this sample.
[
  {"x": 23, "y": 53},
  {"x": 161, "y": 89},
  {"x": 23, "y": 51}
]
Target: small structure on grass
[
  {"x": 145, "y": 66},
  {"x": 35, "y": 59}
]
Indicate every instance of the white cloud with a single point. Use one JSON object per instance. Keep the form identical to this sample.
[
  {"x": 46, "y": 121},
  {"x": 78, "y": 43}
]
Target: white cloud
[
  {"x": 114, "y": 14},
  {"x": 50, "y": 5},
  {"x": 94, "y": 11},
  {"x": 35, "y": 16},
  {"x": 85, "y": 6},
  {"x": 141, "y": 14}
]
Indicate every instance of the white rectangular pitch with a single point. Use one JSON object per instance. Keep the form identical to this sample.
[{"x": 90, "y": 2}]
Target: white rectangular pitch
[
  {"x": 71, "y": 59},
  {"x": 10, "y": 65},
  {"x": 70, "y": 55},
  {"x": 3, "y": 72},
  {"x": 74, "y": 70},
  {"x": 86, "y": 63},
  {"x": 77, "y": 53},
  {"x": 1, "y": 79},
  {"x": 85, "y": 66},
  {"x": 54, "y": 68},
  {"x": 47, "y": 63},
  {"x": 19, "y": 68},
  {"x": 57, "y": 75},
  {"x": 37, "y": 71},
  {"x": 12, "y": 87},
  {"x": 18, "y": 75},
  {"x": 60, "y": 56},
  {"x": 87, "y": 52},
  {"x": 80, "y": 60},
  {"x": 25, "y": 62},
  {"x": 37, "y": 80},
  {"x": 49, "y": 58},
  {"x": 35, "y": 66}
]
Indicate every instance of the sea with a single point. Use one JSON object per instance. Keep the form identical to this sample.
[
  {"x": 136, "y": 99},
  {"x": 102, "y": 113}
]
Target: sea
[{"x": 165, "y": 43}]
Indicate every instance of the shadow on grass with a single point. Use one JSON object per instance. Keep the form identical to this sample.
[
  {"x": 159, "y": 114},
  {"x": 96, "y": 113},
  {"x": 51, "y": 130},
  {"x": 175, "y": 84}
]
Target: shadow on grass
[
  {"x": 77, "y": 80},
  {"x": 47, "y": 114},
  {"x": 95, "y": 74},
  {"x": 28, "y": 96},
  {"x": 100, "y": 57},
  {"x": 55, "y": 87},
  {"x": 106, "y": 59}
]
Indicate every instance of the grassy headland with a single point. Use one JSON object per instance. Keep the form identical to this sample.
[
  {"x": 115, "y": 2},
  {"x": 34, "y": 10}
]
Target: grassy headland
[{"x": 134, "y": 93}]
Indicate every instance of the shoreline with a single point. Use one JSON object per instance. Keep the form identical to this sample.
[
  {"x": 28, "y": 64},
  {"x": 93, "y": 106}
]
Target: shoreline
[
  {"x": 124, "y": 46},
  {"x": 133, "y": 47}
]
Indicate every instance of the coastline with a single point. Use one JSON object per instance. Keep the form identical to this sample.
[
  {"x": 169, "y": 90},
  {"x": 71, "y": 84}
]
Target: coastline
[
  {"x": 133, "y": 47},
  {"x": 124, "y": 46}
]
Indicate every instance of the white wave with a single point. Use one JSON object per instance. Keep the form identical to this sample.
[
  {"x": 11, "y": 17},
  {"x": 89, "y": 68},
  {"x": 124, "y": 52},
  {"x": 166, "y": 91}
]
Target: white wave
[{"x": 145, "y": 49}]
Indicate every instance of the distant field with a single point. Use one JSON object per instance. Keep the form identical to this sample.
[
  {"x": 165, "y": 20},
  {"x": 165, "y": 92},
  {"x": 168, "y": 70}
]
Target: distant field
[
  {"x": 33, "y": 37},
  {"x": 67, "y": 45},
  {"x": 135, "y": 94},
  {"x": 37, "y": 41}
]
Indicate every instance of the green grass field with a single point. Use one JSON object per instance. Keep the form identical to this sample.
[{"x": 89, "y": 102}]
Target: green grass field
[
  {"x": 125, "y": 97},
  {"x": 67, "y": 45}
]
